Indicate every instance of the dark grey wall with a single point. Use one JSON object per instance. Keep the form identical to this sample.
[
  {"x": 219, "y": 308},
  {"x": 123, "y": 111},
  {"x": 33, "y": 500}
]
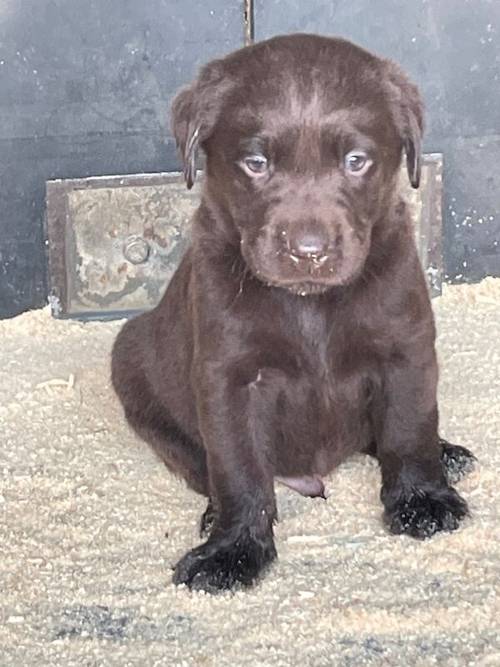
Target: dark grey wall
[
  {"x": 84, "y": 90},
  {"x": 452, "y": 50},
  {"x": 85, "y": 87}
]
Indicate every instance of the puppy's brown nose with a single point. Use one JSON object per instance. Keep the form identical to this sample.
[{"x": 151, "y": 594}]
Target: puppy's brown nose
[{"x": 308, "y": 243}]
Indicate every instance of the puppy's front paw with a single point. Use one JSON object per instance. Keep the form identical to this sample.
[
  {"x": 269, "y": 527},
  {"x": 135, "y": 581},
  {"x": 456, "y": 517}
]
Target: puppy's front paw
[
  {"x": 223, "y": 564},
  {"x": 457, "y": 461},
  {"x": 422, "y": 513}
]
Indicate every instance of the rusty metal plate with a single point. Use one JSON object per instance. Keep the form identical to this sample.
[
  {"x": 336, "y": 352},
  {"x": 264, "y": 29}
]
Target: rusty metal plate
[{"x": 114, "y": 242}]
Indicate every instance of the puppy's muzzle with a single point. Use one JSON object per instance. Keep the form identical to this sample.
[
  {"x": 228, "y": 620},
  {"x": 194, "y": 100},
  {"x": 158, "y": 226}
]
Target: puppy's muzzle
[
  {"x": 308, "y": 247},
  {"x": 306, "y": 255}
]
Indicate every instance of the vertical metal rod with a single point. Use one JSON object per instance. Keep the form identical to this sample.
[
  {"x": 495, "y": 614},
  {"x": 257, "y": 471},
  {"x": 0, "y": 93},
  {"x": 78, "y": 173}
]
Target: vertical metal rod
[{"x": 249, "y": 22}]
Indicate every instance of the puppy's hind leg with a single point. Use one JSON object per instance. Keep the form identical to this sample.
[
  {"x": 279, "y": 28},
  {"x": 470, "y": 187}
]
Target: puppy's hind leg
[
  {"x": 457, "y": 461},
  {"x": 182, "y": 455},
  {"x": 149, "y": 418},
  {"x": 151, "y": 421}
]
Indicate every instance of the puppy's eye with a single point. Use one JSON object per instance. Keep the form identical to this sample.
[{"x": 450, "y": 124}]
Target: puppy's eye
[
  {"x": 357, "y": 162},
  {"x": 255, "y": 165}
]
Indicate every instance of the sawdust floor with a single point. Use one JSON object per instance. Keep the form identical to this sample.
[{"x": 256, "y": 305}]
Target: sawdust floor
[{"x": 92, "y": 522}]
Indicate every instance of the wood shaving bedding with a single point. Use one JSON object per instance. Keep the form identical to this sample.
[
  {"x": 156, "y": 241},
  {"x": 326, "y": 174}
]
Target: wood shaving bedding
[{"x": 92, "y": 522}]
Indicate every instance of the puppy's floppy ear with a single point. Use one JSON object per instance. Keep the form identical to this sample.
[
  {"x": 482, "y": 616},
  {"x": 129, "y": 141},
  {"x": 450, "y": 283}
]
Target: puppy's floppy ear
[
  {"x": 186, "y": 133},
  {"x": 408, "y": 112},
  {"x": 195, "y": 111}
]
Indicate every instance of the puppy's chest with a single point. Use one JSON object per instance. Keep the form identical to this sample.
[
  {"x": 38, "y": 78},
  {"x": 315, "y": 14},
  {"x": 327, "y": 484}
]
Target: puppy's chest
[
  {"x": 322, "y": 412},
  {"x": 337, "y": 360},
  {"x": 313, "y": 343},
  {"x": 318, "y": 342}
]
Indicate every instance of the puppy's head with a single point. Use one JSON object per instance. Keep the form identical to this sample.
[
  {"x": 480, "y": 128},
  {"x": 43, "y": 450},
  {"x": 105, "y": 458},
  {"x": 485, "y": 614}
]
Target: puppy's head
[{"x": 303, "y": 137}]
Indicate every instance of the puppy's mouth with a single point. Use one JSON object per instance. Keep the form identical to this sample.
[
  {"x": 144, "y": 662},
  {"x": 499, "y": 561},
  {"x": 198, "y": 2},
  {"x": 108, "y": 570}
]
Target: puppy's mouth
[
  {"x": 308, "y": 275},
  {"x": 301, "y": 289},
  {"x": 307, "y": 259},
  {"x": 313, "y": 284},
  {"x": 305, "y": 289}
]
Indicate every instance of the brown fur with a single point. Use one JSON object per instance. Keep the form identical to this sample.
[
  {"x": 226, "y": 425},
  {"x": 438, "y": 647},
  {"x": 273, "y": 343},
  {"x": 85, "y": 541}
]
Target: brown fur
[{"x": 264, "y": 361}]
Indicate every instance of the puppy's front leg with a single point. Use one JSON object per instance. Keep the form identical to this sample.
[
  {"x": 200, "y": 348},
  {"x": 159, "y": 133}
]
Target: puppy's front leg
[
  {"x": 417, "y": 498},
  {"x": 236, "y": 413}
]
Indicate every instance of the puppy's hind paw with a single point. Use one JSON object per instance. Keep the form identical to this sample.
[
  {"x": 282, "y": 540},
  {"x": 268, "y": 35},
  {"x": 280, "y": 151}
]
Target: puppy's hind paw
[
  {"x": 457, "y": 461},
  {"x": 421, "y": 513}
]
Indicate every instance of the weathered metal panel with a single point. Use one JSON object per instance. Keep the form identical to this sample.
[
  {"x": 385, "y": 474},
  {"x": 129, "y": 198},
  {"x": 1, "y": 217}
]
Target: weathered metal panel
[{"x": 114, "y": 242}]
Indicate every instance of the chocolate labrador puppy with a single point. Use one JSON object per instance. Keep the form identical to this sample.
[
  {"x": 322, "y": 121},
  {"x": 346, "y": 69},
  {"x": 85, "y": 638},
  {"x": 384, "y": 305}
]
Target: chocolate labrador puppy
[{"x": 297, "y": 329}]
